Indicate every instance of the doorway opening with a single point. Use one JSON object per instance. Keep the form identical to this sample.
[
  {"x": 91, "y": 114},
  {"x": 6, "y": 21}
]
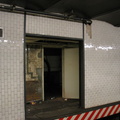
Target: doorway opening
[
  {"x": 52, "y": 73},
  {"x": 52, "y": 76}
]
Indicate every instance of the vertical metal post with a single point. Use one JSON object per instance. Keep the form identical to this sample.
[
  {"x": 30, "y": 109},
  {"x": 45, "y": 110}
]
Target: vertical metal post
[
  {"x": 24, "y": 63},
  {"x": 81, "y": 73}
]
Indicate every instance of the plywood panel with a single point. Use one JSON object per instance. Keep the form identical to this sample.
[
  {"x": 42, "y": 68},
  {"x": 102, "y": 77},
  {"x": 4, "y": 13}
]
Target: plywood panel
[{"x": 71, "y": 73}]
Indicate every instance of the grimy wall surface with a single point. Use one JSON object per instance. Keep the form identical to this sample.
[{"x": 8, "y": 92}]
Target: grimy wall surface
[
  {"x": 11, "y": 67},
  {"x": 102, "y": 65}
]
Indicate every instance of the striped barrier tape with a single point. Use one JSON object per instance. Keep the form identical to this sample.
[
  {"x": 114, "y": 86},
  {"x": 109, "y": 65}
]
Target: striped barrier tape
[{"x": 96, "y": 114}]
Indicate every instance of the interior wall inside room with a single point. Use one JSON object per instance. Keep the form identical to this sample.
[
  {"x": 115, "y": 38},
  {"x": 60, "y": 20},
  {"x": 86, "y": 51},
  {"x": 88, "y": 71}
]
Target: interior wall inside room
[{"x": 33, "y": 72}]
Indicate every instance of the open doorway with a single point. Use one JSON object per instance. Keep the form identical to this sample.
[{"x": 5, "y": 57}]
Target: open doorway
[
  {"x": 52, "y": 72},
  {"x": 52, "y": 76},
  {"x": 52, "y": 68}
]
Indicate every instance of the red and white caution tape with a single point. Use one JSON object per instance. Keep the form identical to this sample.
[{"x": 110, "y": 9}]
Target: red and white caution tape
[{"x": 96, "y": 114}]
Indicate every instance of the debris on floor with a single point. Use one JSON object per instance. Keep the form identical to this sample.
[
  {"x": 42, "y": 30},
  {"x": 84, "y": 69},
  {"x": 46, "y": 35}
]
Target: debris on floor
[
  {"x": 51, "y": 109},
  {"x": 33, "y": 103},
  {"x": 65, "y": 99}
]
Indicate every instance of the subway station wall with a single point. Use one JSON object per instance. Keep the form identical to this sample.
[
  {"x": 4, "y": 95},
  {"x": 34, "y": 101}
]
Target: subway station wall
[
  {"x": 11, "y": 67},
  {"x": 102, "y": 65},
  {"x": 102, "y": 60},
  {"x": 53, "y": 27}
]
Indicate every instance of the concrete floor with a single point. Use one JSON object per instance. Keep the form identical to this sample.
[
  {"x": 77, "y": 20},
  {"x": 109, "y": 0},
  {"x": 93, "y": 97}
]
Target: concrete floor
[
  {"x": 52, "y": 109},
  {"x": 57, "y": 108}
]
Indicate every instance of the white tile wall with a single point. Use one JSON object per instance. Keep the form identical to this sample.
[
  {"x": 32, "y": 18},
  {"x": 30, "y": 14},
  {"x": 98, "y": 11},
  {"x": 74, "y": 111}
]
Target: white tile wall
[
  {"x": 102, "y": 60},
  {"x": 102, "y": 65},
  {"x": 11, "y": 67},
  {"x": 55, "y": 27}
]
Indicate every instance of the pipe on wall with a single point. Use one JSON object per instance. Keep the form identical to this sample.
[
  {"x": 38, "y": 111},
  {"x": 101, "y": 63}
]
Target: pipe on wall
[{"x": 45, "y": 14}]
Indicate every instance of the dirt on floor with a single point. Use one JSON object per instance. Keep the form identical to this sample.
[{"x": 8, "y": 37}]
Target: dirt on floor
[
  {"x": 51, "y": 109},
  {"x": 55, "y": 108}
]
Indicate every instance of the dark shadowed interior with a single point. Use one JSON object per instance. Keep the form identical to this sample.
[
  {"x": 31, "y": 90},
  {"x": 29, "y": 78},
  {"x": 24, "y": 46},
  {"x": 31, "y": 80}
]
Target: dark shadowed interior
[{"x": 52, "y": 72}]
